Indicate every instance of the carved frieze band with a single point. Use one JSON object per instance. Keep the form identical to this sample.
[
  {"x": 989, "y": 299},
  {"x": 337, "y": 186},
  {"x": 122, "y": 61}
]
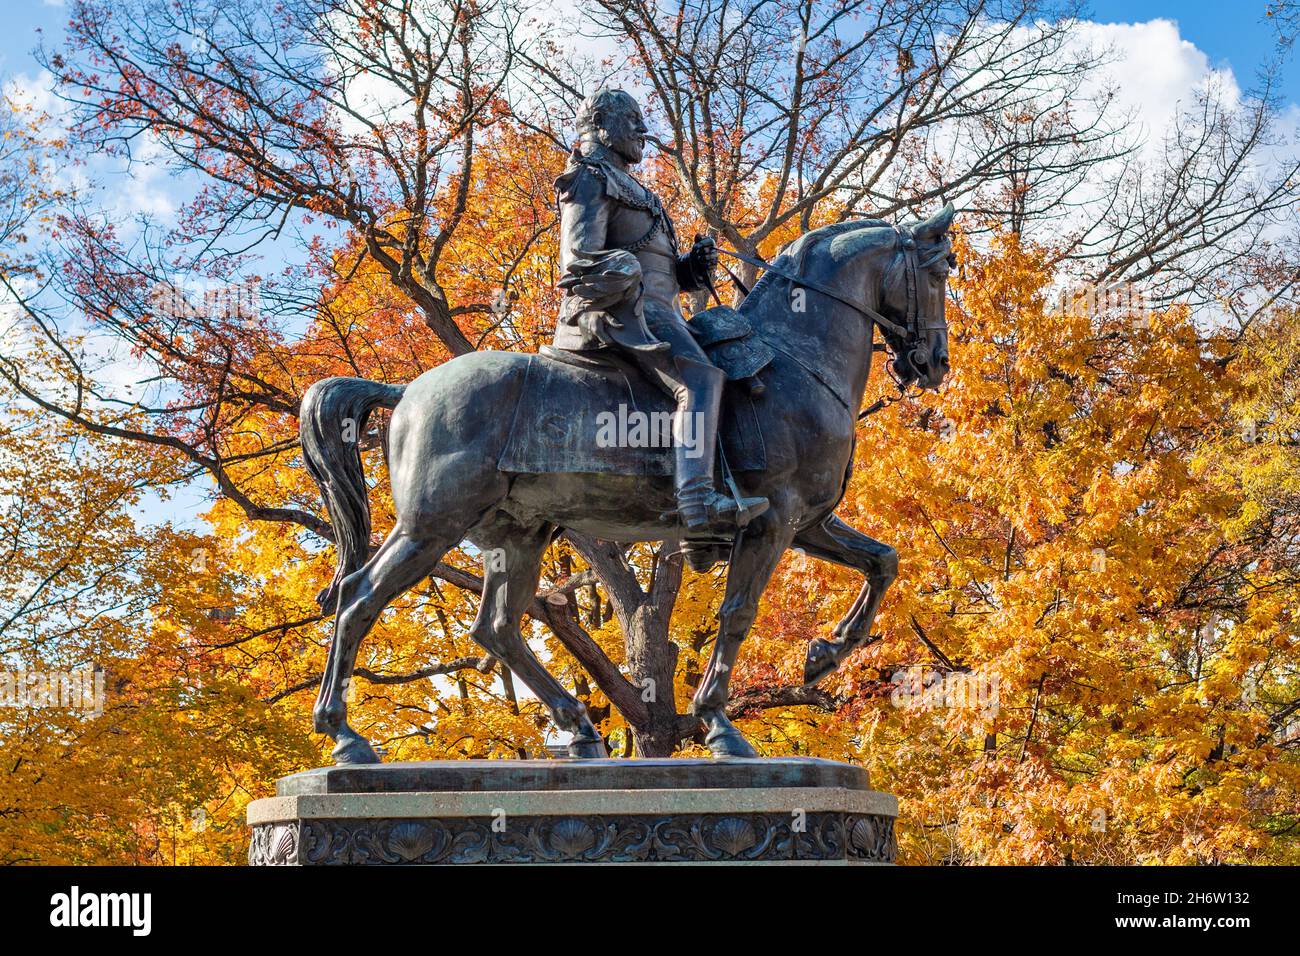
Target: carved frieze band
[{"x": 677, "y": 838}]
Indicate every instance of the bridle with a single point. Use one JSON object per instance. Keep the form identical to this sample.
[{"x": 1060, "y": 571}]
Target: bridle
[{"x": 914, "y": 333}]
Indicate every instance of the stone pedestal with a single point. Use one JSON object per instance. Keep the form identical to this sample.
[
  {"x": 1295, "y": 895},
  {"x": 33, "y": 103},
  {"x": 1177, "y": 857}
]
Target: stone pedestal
[{"x": 785, "y": 810}]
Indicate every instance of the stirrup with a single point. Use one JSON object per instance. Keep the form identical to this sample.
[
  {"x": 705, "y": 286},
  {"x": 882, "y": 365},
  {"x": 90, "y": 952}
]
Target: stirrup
[
  {"x": 703, "y": 553},
  {"x": 717, "y": 514}
]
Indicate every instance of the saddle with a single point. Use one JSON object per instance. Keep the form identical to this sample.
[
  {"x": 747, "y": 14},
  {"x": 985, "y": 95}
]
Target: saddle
[
  {"x": 728, "y": 339},
  {"x": 578, "y": 413}
]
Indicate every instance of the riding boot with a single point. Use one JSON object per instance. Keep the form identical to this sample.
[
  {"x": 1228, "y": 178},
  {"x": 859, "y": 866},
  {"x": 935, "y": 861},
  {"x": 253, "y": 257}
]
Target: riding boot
[{"x": 711, "y": 519}]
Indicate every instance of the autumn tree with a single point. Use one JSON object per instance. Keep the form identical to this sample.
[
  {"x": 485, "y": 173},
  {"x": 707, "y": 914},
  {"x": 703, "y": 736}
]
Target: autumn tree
[
  {"x": 1096, "y": 571},
  {"x": 1091, "y": 659},
  {"x": 868, "y": 108},
  {"x": 149, "y": 759}
]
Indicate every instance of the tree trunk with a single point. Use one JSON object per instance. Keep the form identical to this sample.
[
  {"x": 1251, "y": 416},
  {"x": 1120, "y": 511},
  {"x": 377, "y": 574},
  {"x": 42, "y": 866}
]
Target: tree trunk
[
  {"x": 652, "y": 663},
  {"x": 644, "y": 615}
]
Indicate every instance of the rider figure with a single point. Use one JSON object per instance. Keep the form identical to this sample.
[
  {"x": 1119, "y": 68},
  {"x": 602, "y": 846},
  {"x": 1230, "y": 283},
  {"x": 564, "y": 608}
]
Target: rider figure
[{"x": 622, "y": 277}]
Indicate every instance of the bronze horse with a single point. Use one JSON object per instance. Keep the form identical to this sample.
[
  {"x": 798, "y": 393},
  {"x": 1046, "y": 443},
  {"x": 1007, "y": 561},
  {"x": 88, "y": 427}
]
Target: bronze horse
[{"x": 816, "y": 309}]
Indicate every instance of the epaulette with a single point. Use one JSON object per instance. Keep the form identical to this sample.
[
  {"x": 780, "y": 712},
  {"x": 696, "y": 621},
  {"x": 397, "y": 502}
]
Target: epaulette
[
  {"x": 564, "y": 182},
  {"x": 619, "y": 186}
]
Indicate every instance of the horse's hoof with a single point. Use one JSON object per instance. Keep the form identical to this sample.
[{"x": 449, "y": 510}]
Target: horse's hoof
[
  {"x": 353, "y": 749},
  {"x": 723, "y": 739},
  {"x": 324, "y": 723},
  {"x": 587, "y": 748},
  {"x": 731, "y": 743},
  {"x": 819, "y": 662}
]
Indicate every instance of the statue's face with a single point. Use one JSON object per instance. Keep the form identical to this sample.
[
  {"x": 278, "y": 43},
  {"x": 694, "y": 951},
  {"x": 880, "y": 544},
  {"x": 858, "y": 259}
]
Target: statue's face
[{"x": 624, "y": 131}]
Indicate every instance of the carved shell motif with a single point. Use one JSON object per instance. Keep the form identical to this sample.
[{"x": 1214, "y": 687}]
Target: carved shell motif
[
  {"x": 734, "y": 836},
  {"x": 410, "y": 841},
  {"x": 870, "y": 839},
  {"x": 282, "y": 846},
  {"x": 571, "y": 838}
]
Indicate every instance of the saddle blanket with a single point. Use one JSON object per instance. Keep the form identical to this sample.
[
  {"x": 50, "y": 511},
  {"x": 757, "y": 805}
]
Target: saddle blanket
[{"x": 597, "y": 420}]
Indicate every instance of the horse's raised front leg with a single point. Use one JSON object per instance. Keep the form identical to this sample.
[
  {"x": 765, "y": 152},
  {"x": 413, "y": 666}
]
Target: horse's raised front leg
[
  {"x": 511, "y": 568},
  {"x": 400, "y": 563},
  {"x": 754, "y": 557},
  {"x": 835, "y": 541}
]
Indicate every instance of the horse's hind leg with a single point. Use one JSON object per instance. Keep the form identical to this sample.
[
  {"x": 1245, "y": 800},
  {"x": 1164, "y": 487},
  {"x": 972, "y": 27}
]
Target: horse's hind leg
[
  {"x": 402, "y": 561},
  {"x": 835, "y": 541},
  {"x": 511, "y": 568}
]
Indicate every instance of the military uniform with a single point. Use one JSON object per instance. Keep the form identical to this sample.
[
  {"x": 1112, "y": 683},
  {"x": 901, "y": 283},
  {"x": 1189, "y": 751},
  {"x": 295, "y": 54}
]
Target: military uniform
[
  {"x": 622, "y": 278},
  {"x": 605, "y": 212}
]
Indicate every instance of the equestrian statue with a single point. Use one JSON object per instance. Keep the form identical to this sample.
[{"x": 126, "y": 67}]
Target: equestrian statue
[{"x": 507, "y": 450}]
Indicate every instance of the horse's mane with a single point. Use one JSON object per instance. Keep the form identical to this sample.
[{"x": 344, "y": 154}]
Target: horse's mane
[{"x": 796, "y": 251}]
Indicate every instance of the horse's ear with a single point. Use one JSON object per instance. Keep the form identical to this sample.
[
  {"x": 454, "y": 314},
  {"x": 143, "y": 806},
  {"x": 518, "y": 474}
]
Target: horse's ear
[{"x": 934, "y": 227}]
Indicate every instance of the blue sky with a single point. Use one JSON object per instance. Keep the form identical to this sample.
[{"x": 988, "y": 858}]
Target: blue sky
[
  {"x": 22, "y": 18},
  {"x": 1161, "y": 63},
  {"x": 1231, "y": 32},
  {"x": 1167, "y": 49}
]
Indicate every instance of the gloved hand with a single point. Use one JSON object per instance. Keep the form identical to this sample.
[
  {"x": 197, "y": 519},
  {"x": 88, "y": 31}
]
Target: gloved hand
[
  {"x": 704, "y": 254},
  {"x": 695, "y": 269}
]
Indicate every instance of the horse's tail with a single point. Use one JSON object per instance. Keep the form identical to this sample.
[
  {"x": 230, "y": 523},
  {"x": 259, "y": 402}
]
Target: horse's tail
[{"x": 331, "y": 423}]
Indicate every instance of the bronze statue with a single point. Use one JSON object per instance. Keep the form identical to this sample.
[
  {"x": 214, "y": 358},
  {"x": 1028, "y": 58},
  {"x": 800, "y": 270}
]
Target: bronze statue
[
  {"x": 501, "y": 448},
  {"x": 623, "y": 278}
]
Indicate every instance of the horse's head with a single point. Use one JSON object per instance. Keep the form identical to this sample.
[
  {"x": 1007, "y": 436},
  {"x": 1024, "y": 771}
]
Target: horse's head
[
  {"x": 913, "y": 295},
  {"x": 892, "y": 276}
]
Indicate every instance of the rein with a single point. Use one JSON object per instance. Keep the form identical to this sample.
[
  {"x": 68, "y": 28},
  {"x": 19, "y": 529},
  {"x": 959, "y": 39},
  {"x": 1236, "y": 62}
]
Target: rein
[
  {"x": 846, "y": 299},
  {"x": 912, "y": 333}
]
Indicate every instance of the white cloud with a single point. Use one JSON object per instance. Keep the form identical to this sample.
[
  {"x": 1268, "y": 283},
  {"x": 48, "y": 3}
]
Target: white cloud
[
  {"x": 1156, "y": 71},
  {"x": 145, "y": 186},
  {"x": 148, "y": 186},
  {"x": 36, "y": 93}
]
